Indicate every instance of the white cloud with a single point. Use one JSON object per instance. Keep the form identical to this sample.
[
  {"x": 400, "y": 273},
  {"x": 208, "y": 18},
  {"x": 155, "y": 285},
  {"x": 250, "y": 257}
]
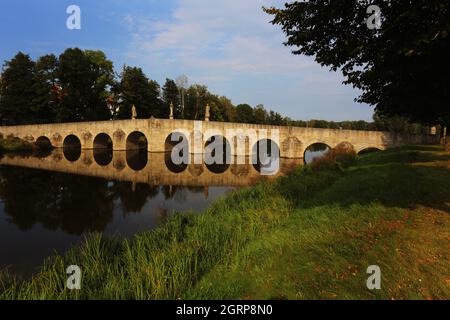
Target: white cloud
[
  {"x": 231, "y": 46},
  {"x": 222, "y": 37}
]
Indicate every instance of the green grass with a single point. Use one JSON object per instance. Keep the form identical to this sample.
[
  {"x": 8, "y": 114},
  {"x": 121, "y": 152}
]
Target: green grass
[
  {"x": 310, "y": 235},
  {"x": 13, "y": 144}
]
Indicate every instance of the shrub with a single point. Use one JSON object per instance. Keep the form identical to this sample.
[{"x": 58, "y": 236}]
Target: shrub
[
  {"x": 14, "y": 144},
  {"x": 345, "y": 155},
  {"x": 342, "y": 156},
  {"x": 303, "y": 183}
]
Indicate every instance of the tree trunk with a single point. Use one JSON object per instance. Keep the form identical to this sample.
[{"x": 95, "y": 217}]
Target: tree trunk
[{"x": 444, "y": 139}]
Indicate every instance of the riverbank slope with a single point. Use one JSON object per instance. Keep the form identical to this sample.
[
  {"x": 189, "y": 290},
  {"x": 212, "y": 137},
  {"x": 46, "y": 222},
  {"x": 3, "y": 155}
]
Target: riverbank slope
[{"x": 310, "y": 235}]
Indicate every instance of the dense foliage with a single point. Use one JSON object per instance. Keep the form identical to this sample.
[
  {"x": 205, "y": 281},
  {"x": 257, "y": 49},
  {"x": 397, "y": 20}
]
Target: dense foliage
[
  {"x": 402, "y": 67},
  {"x": 82, "y": 86}
]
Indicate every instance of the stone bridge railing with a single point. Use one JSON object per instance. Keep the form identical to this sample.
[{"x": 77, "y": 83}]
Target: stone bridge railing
[{"x": 156, "y": 133}]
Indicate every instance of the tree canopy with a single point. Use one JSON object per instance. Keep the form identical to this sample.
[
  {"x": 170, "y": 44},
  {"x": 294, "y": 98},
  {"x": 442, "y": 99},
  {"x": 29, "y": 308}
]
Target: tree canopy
[
  {"x": 81, "y": 85},
  {"x": 84, "y": 77},
  {"x": 17, "y": 90},
  {"x": 136, "y": 89},
  {"x": 402, "y": 68},
  {"x": 171, "y": 95}
]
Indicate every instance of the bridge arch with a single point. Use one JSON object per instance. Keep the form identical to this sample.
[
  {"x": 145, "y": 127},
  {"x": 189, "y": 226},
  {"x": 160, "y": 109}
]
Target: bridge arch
[
  {"x": 181, "y": 142},
  {"x": 266, "y": 155},
  {"x": 103, "y": 157},
  {"x": 179, "y": 139},
  {"x": 103, "y": 141},
  {"x": 347, "y": 146},
  {"x": 72, "y": 147},
  {"x": 271, "y": 148},
  {"x": 368, "y": 150},
  {"x": 44, "y": 143},
  {"x": 315, "y": 150},
  {"x": 137, "y": 150},
  {"x": 72, "y": 141},
  {"x": 217, "y": 154},
  {"x": 136, "y": 140},
  {"x": 172, "y": 166},
  {"x": 103, "y": 149},
  {"x": 137, "y": 159}
]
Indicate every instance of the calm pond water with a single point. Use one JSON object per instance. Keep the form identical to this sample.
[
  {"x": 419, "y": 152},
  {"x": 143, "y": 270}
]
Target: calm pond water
[{"x": 49, "y": 203}]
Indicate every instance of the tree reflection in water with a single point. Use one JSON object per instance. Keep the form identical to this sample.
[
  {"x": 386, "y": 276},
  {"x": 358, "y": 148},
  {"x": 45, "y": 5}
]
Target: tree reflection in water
[
  {"x": 133, "y": 197},
  {"x": 49, "y": 202},
  {"x": 74, "y": 204}
]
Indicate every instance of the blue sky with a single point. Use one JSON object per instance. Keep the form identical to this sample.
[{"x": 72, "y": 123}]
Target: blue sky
[{"x": 227, "y": 45}]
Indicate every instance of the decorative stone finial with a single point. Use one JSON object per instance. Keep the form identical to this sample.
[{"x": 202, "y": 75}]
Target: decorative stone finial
[
  {"x": 207, "y": 112},
  {"x": 171, "y": 111},
  {"x": 133, "y": 112}
]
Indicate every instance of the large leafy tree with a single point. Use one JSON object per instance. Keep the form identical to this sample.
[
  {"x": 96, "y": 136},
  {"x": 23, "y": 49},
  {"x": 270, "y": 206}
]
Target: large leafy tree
[
  {"x": 401, "y": 68},
  {"x": 197, "y": 96},
  {"x": 244, "y": 113},
  {"x": 171, "y": 94},
  {"x": 229, "y": 110},
  {"x": 45, "y": 103},
  {"x": 218, "y": 111},
  {"x": 260, "y": 115},
  {"x": 16, "y": 90},
  {"x": 136, "y": 89},
  {"x": 105, "y": 79},
  {"x": 84, "y": 77},
  {"x": 276, "y": 119}
]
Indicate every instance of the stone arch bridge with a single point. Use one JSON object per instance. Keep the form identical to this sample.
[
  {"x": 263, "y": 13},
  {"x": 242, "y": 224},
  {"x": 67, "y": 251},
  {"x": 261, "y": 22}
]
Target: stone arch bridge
[{"x": 154, "y": 134}]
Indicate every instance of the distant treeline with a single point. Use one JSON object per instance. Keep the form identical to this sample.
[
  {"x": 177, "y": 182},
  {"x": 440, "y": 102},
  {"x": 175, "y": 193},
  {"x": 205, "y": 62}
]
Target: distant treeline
[
  {"x": 392, "y": 124},
  {"x": 81, "y": 85}
]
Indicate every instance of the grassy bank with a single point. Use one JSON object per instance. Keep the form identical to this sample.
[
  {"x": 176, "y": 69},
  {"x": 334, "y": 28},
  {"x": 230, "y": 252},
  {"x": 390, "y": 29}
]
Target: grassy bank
[
  {"x": 12, "y": 144},
  {"x": 310, "y": 235}
]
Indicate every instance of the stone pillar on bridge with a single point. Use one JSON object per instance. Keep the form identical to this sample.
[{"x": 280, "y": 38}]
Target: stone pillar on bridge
[
  {"x": 87, "y": 157},
  {"x": 207, "y": 110},
  {"x": 133, "y": 112},
  {"x": 171, "y": 111},
  {"x": 119, "y": 139},
  {"x": 240, "y": 145},
  {"x": 56, "y": 140},
  {"x": 119, "y": 160},
  {"x": 87, "y": 140},
  {"x": 291, "y": 147}
]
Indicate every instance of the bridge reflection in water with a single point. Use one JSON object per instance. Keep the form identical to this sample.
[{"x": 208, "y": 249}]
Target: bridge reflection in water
[
  {"x": 150, "y": 168},
  {"x": 49, "y": 202}
]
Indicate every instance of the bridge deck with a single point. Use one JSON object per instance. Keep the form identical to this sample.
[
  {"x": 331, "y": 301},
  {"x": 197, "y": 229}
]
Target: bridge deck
[{"x": 242, "y": 138}]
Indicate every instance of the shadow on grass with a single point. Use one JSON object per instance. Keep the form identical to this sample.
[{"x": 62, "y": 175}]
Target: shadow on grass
[
  {"x": 393, "y": 180},
  {"x": 430, "y": 148},
  {"x": 405, "y": 155}
]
